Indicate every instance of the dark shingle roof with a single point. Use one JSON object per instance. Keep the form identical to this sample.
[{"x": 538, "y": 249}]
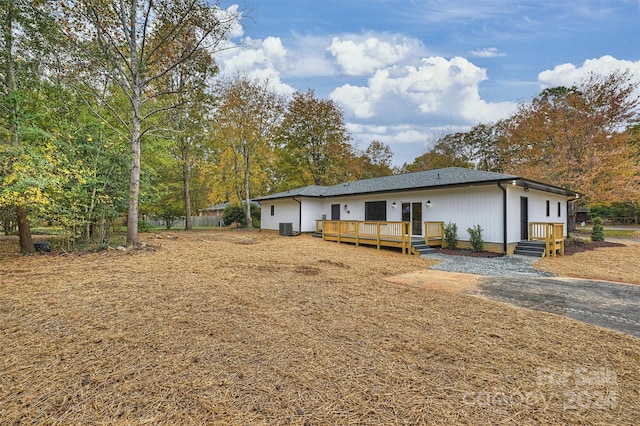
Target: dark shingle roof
[
  {"x": 427, "y": 179},
  {"x": 305, "y": 191},
  {"x": 450, "y": 176}
]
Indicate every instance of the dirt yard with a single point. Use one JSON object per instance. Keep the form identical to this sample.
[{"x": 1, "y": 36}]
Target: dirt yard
[{"x": 235, "y": 327}]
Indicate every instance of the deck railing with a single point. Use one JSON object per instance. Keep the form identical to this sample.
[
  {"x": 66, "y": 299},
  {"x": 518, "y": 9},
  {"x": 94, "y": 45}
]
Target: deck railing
[
  {"x": 551, "y": 233},
  {"x": 388, "y": 234},
  {"x": 434, "y": 233}
]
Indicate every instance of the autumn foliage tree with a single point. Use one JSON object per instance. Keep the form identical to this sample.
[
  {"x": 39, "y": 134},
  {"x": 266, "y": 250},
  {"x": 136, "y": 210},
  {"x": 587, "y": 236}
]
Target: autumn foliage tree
[
  {"x": 26, "y": 42},
  {"x": 314, "y": 142},
  {"x": 374, "y": 161},
  {"x": 136, "y": 43},
  {"x": 574, "y": 138},
  {"x": 246, "y": 118}
]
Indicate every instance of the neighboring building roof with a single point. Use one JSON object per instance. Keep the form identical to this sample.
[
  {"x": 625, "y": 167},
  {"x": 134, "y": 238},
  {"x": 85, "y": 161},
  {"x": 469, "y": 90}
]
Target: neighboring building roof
[{"x": 430, "y": 179}]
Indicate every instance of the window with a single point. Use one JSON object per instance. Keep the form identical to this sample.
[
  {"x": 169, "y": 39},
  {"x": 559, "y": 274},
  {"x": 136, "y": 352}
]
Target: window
[
  {"x": 273, "y": 210},
  {"x": 375, "y": 210},
  {"x": 559, "y": 209},
  {"x": 548, "y": 208}
]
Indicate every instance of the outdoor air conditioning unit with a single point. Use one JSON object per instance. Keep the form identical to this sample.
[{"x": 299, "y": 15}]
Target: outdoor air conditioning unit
[{"x": 286, "y": 229}]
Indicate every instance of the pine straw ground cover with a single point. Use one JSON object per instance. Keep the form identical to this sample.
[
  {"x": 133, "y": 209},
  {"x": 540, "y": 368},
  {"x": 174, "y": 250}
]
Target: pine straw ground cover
[
  {"x": 251, "y": 328},
  {"x": 617, "y": 263}
]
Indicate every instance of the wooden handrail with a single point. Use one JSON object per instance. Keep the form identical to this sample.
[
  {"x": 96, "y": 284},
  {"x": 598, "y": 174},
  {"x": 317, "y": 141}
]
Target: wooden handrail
[
  {"x": 551, "y": 233},
  {"x": 434, "y": 233},
  {"x": 368, "y": 232}
]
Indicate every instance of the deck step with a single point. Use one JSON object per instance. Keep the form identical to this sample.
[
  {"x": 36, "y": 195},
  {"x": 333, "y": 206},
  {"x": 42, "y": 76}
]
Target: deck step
[
  {"x": 421, "y": 248},
  {"x": 317, "y": 234},
  {"x": 530, "y": 248}
]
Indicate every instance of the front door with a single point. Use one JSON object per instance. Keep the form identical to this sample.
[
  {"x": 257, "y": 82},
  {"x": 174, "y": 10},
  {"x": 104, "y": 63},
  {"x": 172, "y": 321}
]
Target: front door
[
  {"x": 412, "y": 212},
  {"x": 524, "y": 218},
  {"x": 416, "y": 218},
  {"x": 335, "y": 211}
]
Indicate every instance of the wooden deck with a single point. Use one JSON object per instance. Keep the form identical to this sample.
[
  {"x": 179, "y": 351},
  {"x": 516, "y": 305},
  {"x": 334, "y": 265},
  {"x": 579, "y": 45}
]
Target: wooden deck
[
  {"x": 551, "y": 233},
  {"x": 398, "y": 234},
  {"x": 380, "y": 234}
]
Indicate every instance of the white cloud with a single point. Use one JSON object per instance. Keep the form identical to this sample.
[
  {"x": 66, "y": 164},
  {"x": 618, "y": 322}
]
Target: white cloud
[
  {"x": 434, "y": 88},
  {"x": 489, "y": 52},
  {"x": 569, "y": 75},
  {"x": 354, "y": 99},
  {"x": 356, "y": 56},
  {"x": 273, "y": 50}
]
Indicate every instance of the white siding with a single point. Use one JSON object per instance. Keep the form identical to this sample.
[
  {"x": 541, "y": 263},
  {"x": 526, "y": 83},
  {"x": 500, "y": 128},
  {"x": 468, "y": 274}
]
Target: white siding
[
  {"x": 285, "y": 211},
  {"x": 537, "y": 203},
  {"x": 312, "y": 210},
  {"x": 465, "y": 207}
]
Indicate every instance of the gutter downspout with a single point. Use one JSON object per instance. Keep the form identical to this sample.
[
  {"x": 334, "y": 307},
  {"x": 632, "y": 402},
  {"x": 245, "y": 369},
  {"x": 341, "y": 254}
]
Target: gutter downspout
[
  {"x": 299, "y": 214},
  {"x": 504, "y": 218}
]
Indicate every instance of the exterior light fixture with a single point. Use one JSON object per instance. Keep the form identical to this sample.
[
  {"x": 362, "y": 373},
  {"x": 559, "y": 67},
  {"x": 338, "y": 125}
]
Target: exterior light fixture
[
  {"x": 345, "y": 207},
  {"x": 526, "y": 189},
  {"x": 428, "y": 203},
  {"x": 393, "y": 205}
]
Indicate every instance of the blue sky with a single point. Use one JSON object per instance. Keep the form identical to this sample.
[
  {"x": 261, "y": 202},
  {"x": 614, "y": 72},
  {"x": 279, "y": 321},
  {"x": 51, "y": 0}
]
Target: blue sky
[{"x": 407, "y": 72}]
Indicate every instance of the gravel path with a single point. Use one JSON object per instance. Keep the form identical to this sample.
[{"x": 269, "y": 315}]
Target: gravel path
[{"x": 514, "y": 265}]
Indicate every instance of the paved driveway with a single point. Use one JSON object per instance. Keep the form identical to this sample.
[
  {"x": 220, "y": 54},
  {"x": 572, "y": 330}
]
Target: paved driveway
[
  {"x": 514, "y": 280},
  {"x": 605, "y": 304}
]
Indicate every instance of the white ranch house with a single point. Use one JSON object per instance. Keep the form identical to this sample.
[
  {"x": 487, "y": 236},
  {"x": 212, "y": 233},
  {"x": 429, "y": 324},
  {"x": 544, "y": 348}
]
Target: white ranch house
[{"x": 508, "y": 208}]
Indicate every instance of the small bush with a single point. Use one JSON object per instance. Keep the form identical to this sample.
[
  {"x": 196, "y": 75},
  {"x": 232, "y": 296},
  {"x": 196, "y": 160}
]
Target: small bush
[
  {"x": 234, "y": 213},
  {"x": 451, "y": 235},
  {"x": 144, "y": 226},
  {"x": 477, "y": 243},
  {"x": 597, "y": 232}
]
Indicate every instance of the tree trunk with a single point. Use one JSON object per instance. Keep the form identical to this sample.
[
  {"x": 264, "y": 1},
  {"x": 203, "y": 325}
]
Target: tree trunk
[
  {"x": 134, "y": 185},
  {"x": 572, "y": 212},
  {"x": 246, "y": 191},
  {"x": 186, "y": 172},
  {"x": 134, "y": 182},
  {"x": 136, "y": 124},
  {"x": 24, "y": 230}
]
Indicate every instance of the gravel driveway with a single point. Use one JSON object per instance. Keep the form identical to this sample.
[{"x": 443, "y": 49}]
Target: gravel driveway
[{"x": 513, "y": 279}]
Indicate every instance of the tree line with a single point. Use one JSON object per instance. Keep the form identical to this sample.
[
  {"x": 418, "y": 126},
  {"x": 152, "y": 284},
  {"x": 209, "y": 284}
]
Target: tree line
[
  {"x": 585, "y": 137},
  {"x": 117, "y": 107},
  {"x": 112, "y": 108}
]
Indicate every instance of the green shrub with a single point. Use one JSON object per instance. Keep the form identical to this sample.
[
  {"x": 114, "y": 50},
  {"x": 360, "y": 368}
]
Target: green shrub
[
  {"x": 235, "y": 213},
  {"x": 144, "y": 226},
  {"x": 451, "y": 235},
  {"x": 477, "y": 243},
  {"x": 597, "y": 232}
]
